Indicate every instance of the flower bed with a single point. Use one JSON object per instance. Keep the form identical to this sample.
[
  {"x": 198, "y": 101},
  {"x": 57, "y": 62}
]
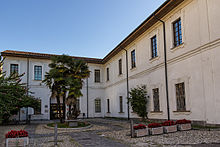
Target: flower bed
[
  {"x": 169, "y": 126},
  {"x": 155, "y": 128},
  {"x": 17, "y": 138},
  {"x": 183, "y": 125},
  {"x": 140, "y": 130}
]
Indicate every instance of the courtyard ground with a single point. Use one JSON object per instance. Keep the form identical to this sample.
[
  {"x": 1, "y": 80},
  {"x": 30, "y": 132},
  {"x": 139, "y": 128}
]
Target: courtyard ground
[{"x": 113, "y": 133}]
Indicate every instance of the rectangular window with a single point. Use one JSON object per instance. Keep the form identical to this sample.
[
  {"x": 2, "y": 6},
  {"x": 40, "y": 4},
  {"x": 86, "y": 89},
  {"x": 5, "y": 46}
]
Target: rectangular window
[
  {"x": 14, "y": 68},
  {"x": 156, "y": 100},
  {"x": 77, "y": 105},
  {"x": 107, "y": 74},
  {"x": 97, "y": 76},
  {"x": 108, "y": 106},
  {"x": 97, "y": 105},
  {"x": 154, "y": 47},
  {"x": 120, "y": 66},
  {"x": 121, "y": 103},
  {"x": 177, "y": 32},
  {"x": 37, "y": 72},
  {"x": 180, "y": 97},
  {"x": 38, "y": 111},
  {"x": 133, "y": 59}
]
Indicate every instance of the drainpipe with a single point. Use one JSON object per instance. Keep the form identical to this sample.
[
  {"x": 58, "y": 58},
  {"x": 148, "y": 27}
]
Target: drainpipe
[
  {"x": 87, "y": 96},
  {"x": 128, "y": 106},
  {"x": 165, "y": 62},
  {"x": 27, "y": 87}
]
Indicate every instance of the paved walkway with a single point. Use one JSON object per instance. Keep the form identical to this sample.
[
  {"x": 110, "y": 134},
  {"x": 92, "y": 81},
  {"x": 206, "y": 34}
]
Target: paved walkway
[
  {"x": 111, "y": 133},
  {"x": 92, "y": 138}
]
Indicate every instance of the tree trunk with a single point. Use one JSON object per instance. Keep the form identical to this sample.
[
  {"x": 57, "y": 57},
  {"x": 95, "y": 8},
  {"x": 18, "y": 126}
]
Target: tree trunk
[{"x": 59, "y": 108}]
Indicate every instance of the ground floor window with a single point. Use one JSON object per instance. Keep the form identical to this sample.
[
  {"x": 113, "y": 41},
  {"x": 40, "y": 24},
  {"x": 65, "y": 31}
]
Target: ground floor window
[
  {"x": 121, "y": 103},
  {"x": 38, "y": 111},
  {"x": 156, "y": 99},
  {"x": 108, "y": 106},
  {"x": 97, "y": 105},
  {"x": 180, "y": 97}
]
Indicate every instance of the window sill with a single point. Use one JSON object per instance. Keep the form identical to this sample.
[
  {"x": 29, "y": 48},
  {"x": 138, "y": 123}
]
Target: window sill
[
  {"x": 98, "y": 112},
  {"x": 120, "y": 75},
  {"x": 156, "y": 112},
  {"x": 121, "y": 112},
  {"x": 174, "y": 48},
  {"x": 108, "y": 112},
  {"x": 133, "y": 68},
  {"x": 154, "y": 59},
  {"x": 186, "y": 112}
]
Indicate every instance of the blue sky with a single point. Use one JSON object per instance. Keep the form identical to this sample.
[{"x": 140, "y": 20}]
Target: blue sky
[{"x": 89, "y": 28}]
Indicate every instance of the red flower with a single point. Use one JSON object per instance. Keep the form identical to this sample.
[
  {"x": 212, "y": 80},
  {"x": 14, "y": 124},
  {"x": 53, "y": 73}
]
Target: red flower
[
  {"x": 168, "y": 123},
  {"x": 16, "y": 134},
  {"x": 154, "y": 125},
  {"x": 140, "y": 126},
  {"x": 183, "y": 121}
]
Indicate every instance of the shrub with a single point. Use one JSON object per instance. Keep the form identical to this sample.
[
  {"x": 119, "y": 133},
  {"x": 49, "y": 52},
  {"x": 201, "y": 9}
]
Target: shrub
[
  {"x": 140, "y": 126},
  {"x": 139, "y": 101},
  {"x": 183, "y": 121},
  {"x": 168, "y": 123},
  {"x": 154, "y": 125},
  {"x": 16, "y": 134}
]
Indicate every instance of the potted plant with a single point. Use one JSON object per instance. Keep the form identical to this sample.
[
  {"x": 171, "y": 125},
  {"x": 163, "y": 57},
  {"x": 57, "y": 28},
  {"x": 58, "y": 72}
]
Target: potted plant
[
  {"x": 183, "y": 125},
  {"x": 17, "y": 138},
  {"x": 140, "y": 130},
  {"x": 155, "y": 128},
  {"x": 169, "y": 126}
]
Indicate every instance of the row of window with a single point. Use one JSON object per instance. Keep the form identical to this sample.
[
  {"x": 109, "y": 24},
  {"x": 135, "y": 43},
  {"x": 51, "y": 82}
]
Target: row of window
[
  {"x": 177, "y": 34},
  {"x": 37, "y": 71},
  {"x": 98, "y": 105},
  {"x": 180, "y": 98}
]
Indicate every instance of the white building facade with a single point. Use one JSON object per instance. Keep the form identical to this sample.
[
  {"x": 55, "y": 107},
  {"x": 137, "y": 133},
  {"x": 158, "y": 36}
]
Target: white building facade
[{"x": 192, "y": 48}]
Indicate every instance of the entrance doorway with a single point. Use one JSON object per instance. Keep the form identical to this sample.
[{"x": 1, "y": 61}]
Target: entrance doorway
[{"x": 54, "y": 111}]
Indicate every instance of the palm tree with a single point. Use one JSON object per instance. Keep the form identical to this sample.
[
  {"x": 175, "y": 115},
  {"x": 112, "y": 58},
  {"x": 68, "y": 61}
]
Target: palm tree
[{"x": 66, "y": 77}]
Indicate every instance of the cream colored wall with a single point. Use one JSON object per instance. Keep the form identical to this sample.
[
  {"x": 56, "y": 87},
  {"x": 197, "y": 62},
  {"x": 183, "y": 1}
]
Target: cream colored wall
[{"x": 190, "y": 62}]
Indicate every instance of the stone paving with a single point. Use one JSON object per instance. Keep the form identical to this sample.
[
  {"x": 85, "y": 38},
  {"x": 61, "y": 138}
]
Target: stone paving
[{"x": 110, "y": 132}]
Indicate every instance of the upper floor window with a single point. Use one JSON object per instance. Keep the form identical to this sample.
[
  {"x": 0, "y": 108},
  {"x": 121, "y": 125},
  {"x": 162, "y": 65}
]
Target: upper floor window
[
  {"x": 156, "y": 99},
  {"x": 97, "y": 105},
  {"x": 177, "y": 32},
  {"x": 133, "y": 59},
  {"x": 180, "y": 97},
  {"x": 37, "y": 72},
  {"x": 14, "y": 68},
  {"x": 120, "y": 66},
  {"x": 154, "y": 47},
  {"x": 107, "y": 74},
  {"x": 121, "y": 103},
  {"x": 97, "y": 76}
]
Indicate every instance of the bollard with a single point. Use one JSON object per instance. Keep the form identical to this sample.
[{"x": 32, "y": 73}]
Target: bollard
[
  {"x": 132, "y": 129},
  {"x": 55, "y": 134}
]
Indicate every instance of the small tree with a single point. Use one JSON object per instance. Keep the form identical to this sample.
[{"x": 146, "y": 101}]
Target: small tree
[
  {"x": 139, "y": 100},
  {"x": 13, "y": 95}
]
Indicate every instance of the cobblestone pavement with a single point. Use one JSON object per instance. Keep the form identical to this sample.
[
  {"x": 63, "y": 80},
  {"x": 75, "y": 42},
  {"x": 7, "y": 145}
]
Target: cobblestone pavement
[{"x": 110, "y": 132}]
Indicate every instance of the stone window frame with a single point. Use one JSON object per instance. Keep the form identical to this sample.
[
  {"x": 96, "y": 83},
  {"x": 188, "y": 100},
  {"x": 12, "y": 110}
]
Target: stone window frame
[{"x": 98, "y": 105}]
